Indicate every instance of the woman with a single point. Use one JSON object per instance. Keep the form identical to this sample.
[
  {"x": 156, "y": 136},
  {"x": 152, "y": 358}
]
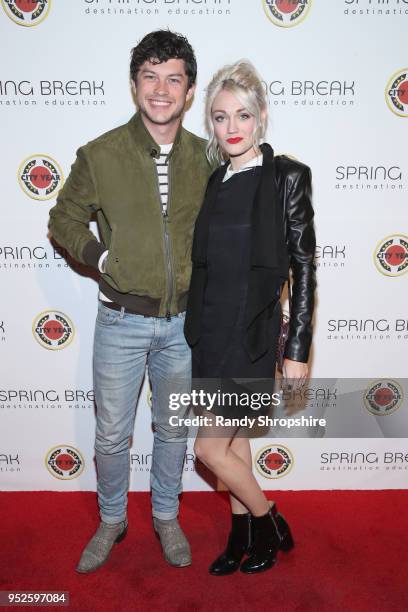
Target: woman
[{"x": 256, "y": 222}]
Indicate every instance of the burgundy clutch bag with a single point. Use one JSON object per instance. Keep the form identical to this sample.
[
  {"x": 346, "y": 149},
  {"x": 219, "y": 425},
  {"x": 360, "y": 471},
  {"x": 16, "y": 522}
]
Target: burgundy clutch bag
[{"x": 284, "y": 333}]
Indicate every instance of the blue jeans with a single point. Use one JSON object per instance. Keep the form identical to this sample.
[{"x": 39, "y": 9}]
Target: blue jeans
[{"x": 124, "y": 343}]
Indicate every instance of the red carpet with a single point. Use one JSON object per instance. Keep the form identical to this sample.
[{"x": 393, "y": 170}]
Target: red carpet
[{"x": 350, "y": 554}]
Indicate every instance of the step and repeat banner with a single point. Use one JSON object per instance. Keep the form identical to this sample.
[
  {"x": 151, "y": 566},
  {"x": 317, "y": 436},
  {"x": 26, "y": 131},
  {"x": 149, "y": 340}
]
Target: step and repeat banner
[{"x": 336, "y": 73}]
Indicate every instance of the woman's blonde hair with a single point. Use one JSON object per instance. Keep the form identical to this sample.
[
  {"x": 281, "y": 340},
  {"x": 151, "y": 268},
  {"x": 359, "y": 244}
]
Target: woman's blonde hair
[{"x": 242, "y": 80}]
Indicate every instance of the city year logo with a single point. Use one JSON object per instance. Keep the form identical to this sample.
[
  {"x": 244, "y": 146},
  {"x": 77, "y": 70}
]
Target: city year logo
[
  {"x": 396, "y": 93},
  {"x": 274, "y": 461},
  {"x": 40, "y": 176},
  {"x": 391, "y": 255},
  {"x": 286, "y": 13},
  {"x": 27, "y": 12},
  {"x": 64, "y": 462},
  {"x": 53, "y": 330},
  {"x": 383, "y": 397}
]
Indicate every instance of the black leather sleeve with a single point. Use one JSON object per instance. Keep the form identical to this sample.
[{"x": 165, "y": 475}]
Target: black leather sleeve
[{"x": 301, "y": 242}]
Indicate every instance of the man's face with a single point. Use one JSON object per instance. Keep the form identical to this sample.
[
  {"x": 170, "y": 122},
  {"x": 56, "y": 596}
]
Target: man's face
[{"x": 161, "y": 91}]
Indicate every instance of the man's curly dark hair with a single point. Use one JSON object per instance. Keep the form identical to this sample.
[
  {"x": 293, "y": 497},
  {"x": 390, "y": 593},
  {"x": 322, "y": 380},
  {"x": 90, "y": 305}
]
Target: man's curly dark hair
[{"x": 160, "y": 46}]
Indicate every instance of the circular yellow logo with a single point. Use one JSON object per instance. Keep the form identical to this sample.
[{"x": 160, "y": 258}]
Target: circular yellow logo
[
  {"x": 286, "y": 13},
  {"x": 40, "y": 177},
  {"x": 53, "y": 330},
  {"x": 274, "y": 461},
  {"x": 396, "y": 93},
  {"x": 26, "y": 12},
  {"x": 383, "y": 397},
  {"x": 64, "y": 462},
  {"x": 391, "y": 255}
]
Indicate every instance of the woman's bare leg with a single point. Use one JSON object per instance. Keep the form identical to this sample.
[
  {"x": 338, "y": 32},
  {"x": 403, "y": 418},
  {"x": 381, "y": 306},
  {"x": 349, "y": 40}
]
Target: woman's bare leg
[
  {"x": 231, "y": 462},
  {"x": 241, "y": 447}
]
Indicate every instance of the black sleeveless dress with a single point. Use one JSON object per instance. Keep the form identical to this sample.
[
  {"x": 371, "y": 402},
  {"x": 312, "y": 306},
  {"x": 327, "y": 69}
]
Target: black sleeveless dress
[{"x": 220, "y": 360}]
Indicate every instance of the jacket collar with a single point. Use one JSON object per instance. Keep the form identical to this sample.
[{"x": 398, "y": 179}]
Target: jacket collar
[
  {"x": 145, "y": 141},
  {"x": 254, "y": 162}
]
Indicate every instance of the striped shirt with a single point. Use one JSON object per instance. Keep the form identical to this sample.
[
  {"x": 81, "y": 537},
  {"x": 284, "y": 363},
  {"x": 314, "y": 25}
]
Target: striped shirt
[{"x": 162, "y": 171}]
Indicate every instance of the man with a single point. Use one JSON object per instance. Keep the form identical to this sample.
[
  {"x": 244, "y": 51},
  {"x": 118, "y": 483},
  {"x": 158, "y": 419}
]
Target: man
[{"x": 145, "y": 181}]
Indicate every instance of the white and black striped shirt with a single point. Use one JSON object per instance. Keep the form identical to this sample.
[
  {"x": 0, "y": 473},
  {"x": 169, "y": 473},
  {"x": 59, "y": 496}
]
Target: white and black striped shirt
[{"x": 162, "y": 171}]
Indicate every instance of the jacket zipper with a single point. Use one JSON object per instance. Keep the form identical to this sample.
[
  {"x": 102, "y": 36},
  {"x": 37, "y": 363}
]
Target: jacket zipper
[{"x": 167, "y": 245}]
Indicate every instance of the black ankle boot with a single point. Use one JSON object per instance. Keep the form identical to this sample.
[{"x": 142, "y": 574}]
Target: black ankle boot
[
  {"x": 271, "y": 533},
  {"x": 239, "y": 541},
  {"x": 286, "y": 543}
]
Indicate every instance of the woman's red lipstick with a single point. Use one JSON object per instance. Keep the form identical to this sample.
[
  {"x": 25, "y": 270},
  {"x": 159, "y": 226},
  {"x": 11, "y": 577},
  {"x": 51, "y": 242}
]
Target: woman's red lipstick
[{"x": 234, "y": 140}]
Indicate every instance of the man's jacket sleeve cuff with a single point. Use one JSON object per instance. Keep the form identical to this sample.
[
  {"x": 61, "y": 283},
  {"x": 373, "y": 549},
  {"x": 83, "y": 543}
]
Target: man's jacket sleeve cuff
[{"x": 92, "y": 252}]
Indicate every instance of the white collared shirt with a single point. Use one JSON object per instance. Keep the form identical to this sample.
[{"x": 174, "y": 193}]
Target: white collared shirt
[{"x": 252, "y": 163}]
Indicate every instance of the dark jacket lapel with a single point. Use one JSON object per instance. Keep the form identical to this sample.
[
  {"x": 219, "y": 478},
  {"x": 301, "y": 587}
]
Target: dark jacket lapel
[
  {"x": 200, "y": 242},
  {"x": 269, "y": 262}
]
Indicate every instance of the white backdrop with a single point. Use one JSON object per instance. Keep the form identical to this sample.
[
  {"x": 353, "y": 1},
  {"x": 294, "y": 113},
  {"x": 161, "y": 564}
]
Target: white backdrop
[{"x": 336, "y": 76}]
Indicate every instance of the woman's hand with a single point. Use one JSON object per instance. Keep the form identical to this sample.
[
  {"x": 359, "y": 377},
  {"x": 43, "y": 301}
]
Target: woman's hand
[{"x": 295, "y": 372}]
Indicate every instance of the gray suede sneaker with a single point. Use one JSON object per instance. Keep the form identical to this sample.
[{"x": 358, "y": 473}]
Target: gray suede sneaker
[
  {"x": 97, "y": 550},
  {"x": 176, "y": 548}
]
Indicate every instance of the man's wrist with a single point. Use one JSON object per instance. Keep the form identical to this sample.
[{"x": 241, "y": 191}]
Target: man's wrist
[{"x": 92, "y": 253}]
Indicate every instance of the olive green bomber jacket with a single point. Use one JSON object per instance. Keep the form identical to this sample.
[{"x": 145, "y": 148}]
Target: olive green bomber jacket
[{"x": 148, "y": 266}]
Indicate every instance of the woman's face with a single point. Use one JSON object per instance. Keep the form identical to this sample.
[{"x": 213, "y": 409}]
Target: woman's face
[{"x": 233, "y": 126}]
